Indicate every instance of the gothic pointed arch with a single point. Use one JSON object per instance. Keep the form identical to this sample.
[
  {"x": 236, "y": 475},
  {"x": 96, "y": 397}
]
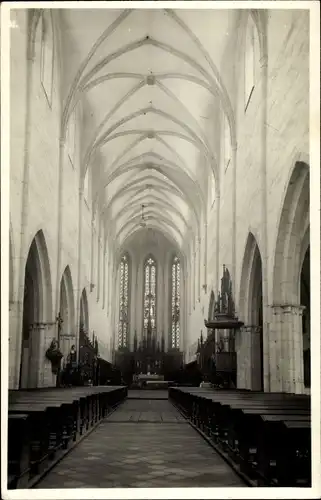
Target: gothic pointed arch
[
  {"x": 291, "y": 278},
  {"x": 251, "y": 281},
  {"x": 84, "y": 313},
  {"x": 251, "y": 312},
  {"x": 292, "y": 229},
  {"x": 37, "y": 311},
  {"x": 66, "y": 312},
  {"x": 305, "y": 301}
]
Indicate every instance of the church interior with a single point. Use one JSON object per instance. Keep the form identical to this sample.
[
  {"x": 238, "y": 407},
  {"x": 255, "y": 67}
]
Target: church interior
[{"x": 159, "y": 248}]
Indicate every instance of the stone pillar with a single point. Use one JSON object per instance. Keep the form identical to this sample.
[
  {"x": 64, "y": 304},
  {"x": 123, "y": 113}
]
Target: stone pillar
[
  {"x": 255, "y": 364},
  {"x": 243, "y": 358},
  {"x": 37, "y": 369},
  {"x": 247, "y": 354},
  {"x": 79, "y": 259},
  {"x": 286, "y": 349},
  {"x": 294, "y": 321},
  {"x": 248, "y": 358},
  {"x": 239, "y": 360},
  {"x": 14, "y": 321},
  {"x": 44, "y": 333},
  {"x": 277, "y": 347},
  {"x": 34, "y": 366}
]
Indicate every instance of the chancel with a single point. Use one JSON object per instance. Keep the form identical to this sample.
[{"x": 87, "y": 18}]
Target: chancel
[{"x": 159, "y": 247}]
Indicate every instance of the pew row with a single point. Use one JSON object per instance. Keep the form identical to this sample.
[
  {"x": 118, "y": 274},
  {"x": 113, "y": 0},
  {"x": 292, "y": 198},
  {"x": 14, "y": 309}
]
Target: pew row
[
  {"x": 266, "y": 436},
  {"x": 44, "y": 424}
]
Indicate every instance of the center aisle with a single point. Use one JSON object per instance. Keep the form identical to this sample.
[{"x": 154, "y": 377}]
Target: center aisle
[{"x": 145, "y": 443}]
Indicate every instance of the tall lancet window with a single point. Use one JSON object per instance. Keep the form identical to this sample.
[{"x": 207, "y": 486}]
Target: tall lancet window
[
  {"x": 150, "y": 296},
  {"x": 123, "y": 324},
  {"x": 176, "y": 302}
]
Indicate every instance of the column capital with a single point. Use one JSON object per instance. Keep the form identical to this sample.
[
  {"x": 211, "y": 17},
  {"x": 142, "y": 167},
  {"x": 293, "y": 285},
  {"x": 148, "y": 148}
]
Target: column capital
[
  {"x": 251, "y": 328},
  {"x": 42, "y": 325},
  {"x": 37, "y": 326},
  {"x": 294, "y": 309}
]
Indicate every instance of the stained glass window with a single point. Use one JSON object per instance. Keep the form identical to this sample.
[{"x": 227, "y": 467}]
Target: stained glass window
[
  {"x": 123, "y": 302},
  {"x": 150, "y": 296},
  {"x": 176, "y": 298}
]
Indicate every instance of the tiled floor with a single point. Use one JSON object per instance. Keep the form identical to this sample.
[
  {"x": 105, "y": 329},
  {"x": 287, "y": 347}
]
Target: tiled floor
[
  {"x": 144, "y": 444},
  {"x": 147, "y": 394}
]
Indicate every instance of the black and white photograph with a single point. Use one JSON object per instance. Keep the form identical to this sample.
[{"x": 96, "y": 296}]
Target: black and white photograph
[{"x": 160, "y": 249}]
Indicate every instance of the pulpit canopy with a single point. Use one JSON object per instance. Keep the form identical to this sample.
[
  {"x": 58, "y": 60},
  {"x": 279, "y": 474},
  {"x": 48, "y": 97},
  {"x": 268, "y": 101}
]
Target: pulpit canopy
[{"x": 224, "y": 310}]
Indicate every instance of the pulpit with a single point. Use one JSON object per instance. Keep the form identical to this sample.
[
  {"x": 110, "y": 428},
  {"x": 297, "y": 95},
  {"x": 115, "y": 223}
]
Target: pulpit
[{"x": 220, "y": 349}]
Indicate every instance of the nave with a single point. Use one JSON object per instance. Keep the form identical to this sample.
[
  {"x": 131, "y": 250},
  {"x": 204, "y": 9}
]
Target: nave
[
  {"x": 142, "y": 445},
  {"x": 112, "y": 437},
  {"x": 159, "y": 239}
]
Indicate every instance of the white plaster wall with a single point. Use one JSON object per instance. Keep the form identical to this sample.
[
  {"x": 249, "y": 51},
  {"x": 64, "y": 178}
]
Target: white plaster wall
[
  {"x": 284, "y": 136},
  {"x": 286, "y": 133},
  {"x": 42, "y": 203}
]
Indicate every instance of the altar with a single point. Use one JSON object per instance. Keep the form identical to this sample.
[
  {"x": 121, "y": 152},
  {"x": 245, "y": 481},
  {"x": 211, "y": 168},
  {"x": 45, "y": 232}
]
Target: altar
[
  {"x": 148, "y": 364},
  {"x": 150, "y": 381},
  {"x": 150, "y": 377}
]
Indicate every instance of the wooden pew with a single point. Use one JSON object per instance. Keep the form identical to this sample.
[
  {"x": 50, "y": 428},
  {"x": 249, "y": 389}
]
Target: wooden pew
[
  {"x": 248, "y": 427},
  {"x": 237, "y": 420},
  {"x": 18, "y": 452},
  {"x": 229, "y": 413},
  {"x": 63, "y": 415},
  {"x": 284, "y": 450},
  {"x": 39, "y": 433},
  {"x": 54, "y": 417}
]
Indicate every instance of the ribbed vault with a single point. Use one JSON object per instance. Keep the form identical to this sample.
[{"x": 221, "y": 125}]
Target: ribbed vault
[{"x": 144, "y": 81}]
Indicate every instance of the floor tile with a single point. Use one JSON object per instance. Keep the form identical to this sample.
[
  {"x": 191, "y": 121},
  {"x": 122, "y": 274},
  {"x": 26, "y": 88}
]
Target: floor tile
[{"x": 155, "y": 453}]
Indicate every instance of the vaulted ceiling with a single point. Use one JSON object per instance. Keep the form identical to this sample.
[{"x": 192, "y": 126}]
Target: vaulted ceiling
[{"x": 146, "y": 81}]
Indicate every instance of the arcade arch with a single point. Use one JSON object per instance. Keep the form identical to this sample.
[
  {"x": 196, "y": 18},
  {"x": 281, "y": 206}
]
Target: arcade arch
[
  {"x": 291, "y": 287},
  {"x": 37, "y": 312},
  {"x": 84, "y": 315},
  {"x": 251, "y": 312},
  {"x": 67, "y": 335}
]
